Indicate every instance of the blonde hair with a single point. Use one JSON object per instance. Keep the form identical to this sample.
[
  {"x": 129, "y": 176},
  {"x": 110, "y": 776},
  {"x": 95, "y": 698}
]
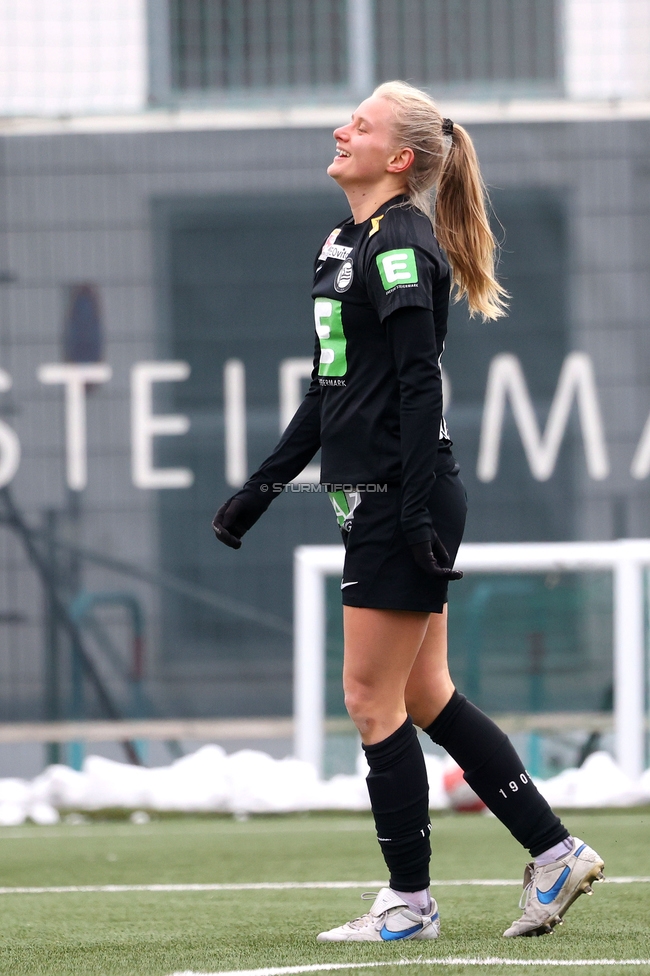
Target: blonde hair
[{"x": 449, "y": 166}]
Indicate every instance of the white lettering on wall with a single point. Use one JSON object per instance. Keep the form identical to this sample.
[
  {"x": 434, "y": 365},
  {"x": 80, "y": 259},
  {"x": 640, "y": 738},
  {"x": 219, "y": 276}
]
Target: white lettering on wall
[
  {"x": 641, "y": 461},
  {"x": 576, "y": 381},
  {"x": 145, "y": 425},
  {"x": 234, "y": 409},
  {"x": 75, "y": 377},
  {"x": 505, "y": 383},
  {"x": 9, "y": 443}
]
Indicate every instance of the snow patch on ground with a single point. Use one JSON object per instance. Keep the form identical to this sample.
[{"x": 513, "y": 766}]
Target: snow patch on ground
[{"x": 210, "y": 780}]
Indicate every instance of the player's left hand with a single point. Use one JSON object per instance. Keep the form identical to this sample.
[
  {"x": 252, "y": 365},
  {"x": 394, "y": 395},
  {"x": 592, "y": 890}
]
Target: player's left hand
[{"x": 429, "y": 556}]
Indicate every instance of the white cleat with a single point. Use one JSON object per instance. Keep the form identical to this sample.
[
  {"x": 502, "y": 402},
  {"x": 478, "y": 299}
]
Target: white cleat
[
  {"x": 388, "y": 920},
  {"x": 550, "y": 890}
]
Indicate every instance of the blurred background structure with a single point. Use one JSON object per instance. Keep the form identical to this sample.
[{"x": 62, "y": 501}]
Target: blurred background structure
[{"x": 162, "y": 195}]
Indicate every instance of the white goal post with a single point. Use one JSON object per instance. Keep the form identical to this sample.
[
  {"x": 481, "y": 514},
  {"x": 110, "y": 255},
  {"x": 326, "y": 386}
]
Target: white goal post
[{"x": 626, "y": 559}]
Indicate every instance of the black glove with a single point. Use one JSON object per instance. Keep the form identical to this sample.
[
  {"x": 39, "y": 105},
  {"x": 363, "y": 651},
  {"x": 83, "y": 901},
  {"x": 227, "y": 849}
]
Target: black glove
[
  {"x": 429, "y": 556},
  {"x": 238, "y": 514}
]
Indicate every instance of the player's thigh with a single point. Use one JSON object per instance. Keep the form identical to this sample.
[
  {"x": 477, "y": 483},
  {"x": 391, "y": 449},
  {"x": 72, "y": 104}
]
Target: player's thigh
[{"x": 380, "y": 647}]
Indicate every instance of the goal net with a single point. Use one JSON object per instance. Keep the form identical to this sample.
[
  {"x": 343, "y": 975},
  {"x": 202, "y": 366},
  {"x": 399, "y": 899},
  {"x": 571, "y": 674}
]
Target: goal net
[{"x": 615, "y": 569}]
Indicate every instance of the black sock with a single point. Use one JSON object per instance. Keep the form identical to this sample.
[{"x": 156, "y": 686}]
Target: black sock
[
  {"x": 496, "y": 774},
  {"x": 399, "y": 797}
]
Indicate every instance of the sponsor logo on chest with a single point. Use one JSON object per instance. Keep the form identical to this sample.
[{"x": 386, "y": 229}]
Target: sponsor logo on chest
[{"x": 333, "y": 250}]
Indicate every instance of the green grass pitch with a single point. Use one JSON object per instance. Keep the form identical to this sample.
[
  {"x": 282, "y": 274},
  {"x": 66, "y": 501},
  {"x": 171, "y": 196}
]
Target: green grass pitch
[{"x": 147, "y": 933}]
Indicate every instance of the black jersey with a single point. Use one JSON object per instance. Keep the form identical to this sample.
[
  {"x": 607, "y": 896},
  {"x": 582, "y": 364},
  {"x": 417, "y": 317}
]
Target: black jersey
[{"x": 374, "y": 406}]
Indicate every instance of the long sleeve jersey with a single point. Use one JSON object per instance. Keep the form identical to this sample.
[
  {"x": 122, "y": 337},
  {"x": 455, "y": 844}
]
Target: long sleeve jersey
[{"x": 374, "y": 404}]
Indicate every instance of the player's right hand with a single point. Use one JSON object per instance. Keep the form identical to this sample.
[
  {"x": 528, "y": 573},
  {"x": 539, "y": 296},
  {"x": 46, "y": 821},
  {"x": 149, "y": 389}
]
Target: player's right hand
[
  {"x": 227, "y": 523},
  {"x": 240, "y": 513}
]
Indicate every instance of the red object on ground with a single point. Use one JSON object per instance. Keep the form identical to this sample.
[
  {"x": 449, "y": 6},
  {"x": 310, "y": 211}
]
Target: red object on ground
[{"x": 461, "y": 796}]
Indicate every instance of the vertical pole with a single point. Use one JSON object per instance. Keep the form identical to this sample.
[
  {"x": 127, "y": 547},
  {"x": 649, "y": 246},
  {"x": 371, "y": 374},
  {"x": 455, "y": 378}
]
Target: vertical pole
[
  {"x": 73, "y": 586},
  {"x": 646, "y": 664},
  {"x": 361, "y": 47},
  {"x": 76, "y": 749},
  {"x": 137, "y": 677},
  {"x": 629, "y": 670},
  {"x": 52, "y": 655},
  {"x": 309, "y": 660}
]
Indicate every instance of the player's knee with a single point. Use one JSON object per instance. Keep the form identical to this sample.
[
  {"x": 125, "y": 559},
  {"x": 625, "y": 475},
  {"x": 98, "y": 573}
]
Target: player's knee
[
  {"x": 424, "y": 704},
  {"x": 361, "y": 703}
]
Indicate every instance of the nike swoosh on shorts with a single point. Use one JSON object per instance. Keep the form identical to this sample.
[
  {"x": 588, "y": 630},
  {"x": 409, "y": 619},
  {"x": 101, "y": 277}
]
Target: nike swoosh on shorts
[{"x": 352, "y": 583}]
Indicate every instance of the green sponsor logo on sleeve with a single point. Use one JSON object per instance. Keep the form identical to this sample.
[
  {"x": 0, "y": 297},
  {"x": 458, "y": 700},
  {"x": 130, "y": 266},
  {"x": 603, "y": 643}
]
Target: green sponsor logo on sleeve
[
  {"x": 397, "y": 268},
  {"x": 340, "y": 505},
  {"x": 329, "y": 329}
]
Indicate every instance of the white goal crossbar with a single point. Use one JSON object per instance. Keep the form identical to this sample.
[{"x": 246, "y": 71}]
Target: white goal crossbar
[{"x": 626, "y": 559}]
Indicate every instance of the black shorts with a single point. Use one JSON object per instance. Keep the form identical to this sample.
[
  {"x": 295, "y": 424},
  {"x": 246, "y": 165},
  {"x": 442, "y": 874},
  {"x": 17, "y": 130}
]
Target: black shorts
[{"x": 379, "y": 570}]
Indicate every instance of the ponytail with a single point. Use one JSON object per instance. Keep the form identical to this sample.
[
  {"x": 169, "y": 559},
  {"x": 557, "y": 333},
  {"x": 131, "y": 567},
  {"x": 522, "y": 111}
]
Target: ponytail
[
  {"x": 445, "y": 161},
  {"x": 463, "y": 228}
]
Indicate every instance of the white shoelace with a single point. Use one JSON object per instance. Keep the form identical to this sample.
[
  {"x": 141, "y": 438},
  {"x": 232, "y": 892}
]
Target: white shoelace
[
  {"x": 359, "y": 922},
  {"x": 528, "y": 888}
]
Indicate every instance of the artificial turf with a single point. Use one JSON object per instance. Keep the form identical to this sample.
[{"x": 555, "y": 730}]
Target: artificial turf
[{"x": 165, "y": 932}]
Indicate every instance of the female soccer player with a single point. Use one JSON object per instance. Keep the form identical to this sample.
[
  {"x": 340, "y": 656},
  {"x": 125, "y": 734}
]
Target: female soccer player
[{"x": 374, "y": 407}]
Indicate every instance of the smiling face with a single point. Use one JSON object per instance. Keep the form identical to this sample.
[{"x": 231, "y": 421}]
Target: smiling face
[{"x": 365, "y": 149}]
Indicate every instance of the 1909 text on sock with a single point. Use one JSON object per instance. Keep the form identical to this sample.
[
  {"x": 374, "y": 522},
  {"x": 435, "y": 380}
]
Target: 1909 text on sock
[{"x": 513, "y": 785}]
